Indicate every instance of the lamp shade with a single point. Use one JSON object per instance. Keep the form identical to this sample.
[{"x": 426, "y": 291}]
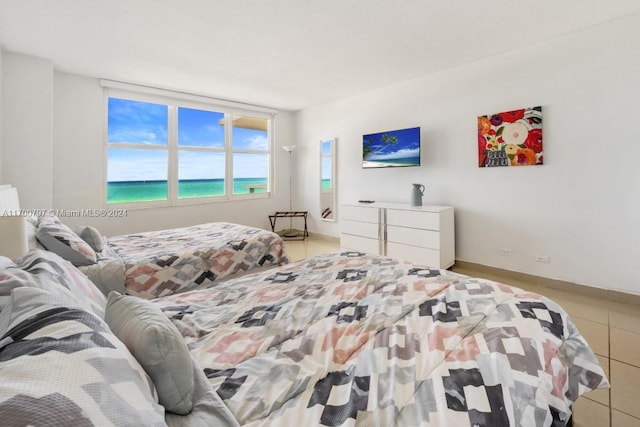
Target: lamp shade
[
  {"x": 288, "y": 148},
  {"x": 13, "y": 236}
]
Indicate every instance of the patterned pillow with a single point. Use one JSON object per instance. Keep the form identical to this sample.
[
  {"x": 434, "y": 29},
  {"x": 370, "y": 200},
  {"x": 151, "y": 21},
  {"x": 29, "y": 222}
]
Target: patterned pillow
[
  {"x": 157, "y": 345},
  {"x": 5, "y": 292},
  {"x": 47, "y": 271},
  {"x": 58, "y": 238},
  {"x": 32, "y": 229},
  {"x": 60, "y": 365}
]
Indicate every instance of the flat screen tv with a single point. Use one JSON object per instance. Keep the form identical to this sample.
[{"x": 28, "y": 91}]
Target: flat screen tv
[{"x": 396, "y": 148}]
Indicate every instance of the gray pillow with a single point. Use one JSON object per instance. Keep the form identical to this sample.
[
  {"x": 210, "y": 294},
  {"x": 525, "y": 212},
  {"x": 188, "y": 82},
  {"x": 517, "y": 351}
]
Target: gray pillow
[
  {"x": 92, "y": 236},
  {"x": 157, "y": 345}
]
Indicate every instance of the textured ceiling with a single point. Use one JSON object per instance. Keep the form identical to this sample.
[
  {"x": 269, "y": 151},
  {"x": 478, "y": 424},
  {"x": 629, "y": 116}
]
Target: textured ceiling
[{"x": 286, "y": 54}]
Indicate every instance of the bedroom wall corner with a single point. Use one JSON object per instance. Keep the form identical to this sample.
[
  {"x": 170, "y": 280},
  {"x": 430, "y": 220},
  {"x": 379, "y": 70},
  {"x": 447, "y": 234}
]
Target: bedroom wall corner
[
  {"x": 77, "y": 138},
  {"x": 27, "y": 128},
  {"x": 312, "y": 125}
]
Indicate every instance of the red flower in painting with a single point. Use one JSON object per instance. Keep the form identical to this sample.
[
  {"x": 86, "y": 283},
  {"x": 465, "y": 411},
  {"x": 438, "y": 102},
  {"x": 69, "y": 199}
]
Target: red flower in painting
[
  {"x": 482, "y": 147},
  {"x": 534, "y": 140},
  {"x": 524, "y": 156},
  {"x": 512, "y": 116}
]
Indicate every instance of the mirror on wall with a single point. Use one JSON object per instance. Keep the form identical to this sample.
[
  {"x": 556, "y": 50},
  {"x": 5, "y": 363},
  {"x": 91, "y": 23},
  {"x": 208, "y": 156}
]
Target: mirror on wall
[{"x": 328, "y": 179}]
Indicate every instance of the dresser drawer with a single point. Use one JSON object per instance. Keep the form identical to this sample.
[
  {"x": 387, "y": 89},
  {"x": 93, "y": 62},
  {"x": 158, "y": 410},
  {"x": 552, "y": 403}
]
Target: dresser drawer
[
  {"x": 359, "y": 213},
  {"x": 414, "y": 219},
  {"x": 420, "y": 256},
  {"x": 364, "y": 229},
  {"x": 414, "y": 237},
  {"x": 360, "y": 244}
]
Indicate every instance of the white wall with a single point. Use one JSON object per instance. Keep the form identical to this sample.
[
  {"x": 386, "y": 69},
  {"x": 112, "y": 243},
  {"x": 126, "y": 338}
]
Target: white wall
[
  {"x": 78, "y": 174},
  {"x": 581, "y": 207},
  {"x": 27, "y": 98},
  {"x": 1, "y": 53}
]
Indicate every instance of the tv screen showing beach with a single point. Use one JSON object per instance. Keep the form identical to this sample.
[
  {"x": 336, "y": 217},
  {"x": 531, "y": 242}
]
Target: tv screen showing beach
[{"x": 396, "y": 148}]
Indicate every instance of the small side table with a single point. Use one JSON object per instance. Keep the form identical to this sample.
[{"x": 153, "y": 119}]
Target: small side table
[{"x": 290, "y": 214}]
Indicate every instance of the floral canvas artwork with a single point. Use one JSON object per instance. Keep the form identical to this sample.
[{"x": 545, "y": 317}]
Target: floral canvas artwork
[{"x": 512, "y": 138}]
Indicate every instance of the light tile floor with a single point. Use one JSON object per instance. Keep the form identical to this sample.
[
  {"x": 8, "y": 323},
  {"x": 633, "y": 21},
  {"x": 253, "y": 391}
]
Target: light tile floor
[
  {"x": 311, "y": 246},
  {"x": 611, "y": 328}
]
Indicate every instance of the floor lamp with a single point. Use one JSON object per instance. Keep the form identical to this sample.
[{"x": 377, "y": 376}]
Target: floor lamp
[{"x": 290, "y": 232}]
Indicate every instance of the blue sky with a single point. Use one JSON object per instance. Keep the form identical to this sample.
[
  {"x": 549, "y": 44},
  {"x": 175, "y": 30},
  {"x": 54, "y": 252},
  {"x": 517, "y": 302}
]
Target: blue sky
[
  {"x": 408, "y": 144},
  {"x": 147, "y": 124}
]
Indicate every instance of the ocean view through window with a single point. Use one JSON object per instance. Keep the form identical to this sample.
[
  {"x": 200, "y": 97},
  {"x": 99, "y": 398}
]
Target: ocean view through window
[
  {"x": 141, "y": 191},
  {"x": 162, "y": 153}
]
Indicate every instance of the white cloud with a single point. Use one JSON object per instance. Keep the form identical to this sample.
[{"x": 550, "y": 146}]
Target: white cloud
[
  {"x": 254, "y": 142},
  {"x": 198, "y": 165},
  {"x": 250, "y": 165},
  {"x": 136, "y": 167}
]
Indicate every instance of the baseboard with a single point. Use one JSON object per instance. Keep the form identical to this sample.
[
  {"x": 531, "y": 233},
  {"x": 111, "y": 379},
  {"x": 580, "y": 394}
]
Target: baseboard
[
  {"x": 324, "y": 237},
  {"x": 611, "y": 295}
]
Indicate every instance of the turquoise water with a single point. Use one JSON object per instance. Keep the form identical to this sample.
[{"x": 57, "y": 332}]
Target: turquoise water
[
  {"x": 146, "y": 191},
  {"x": 326, "y": 184}
]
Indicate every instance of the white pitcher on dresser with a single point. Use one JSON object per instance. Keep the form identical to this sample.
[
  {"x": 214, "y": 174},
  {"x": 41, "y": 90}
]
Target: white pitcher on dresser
[{"x": 417, "y": 191}]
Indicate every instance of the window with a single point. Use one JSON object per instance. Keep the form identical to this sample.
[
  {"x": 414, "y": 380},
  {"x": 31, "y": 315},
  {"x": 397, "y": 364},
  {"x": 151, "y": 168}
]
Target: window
[
  {"x": 138, "y": 155},
  {"x": 163, "y": 152},
  {"x": 250, "y": 146},
  {"x": 201, "y": 153}
]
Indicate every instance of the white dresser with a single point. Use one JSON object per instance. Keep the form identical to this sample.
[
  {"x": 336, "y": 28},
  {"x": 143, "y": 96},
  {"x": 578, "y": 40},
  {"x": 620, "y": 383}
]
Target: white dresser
[{"x": 419, "y": 234}]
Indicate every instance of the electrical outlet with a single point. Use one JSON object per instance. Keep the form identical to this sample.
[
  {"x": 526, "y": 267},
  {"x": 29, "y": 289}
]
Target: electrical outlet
[
  {"x": 506, "y": 252},
  {"x": 543, "y": 258}
]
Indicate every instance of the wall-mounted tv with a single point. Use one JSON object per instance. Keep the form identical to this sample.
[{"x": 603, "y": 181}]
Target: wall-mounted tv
[{"x": 396, "y": 148}]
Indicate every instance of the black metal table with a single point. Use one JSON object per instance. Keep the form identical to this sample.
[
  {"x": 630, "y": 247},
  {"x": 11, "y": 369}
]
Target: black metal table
[{"x": 290, "y": 214}]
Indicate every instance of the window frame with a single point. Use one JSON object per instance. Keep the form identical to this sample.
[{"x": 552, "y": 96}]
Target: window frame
[{"x": 229, "y": 109}]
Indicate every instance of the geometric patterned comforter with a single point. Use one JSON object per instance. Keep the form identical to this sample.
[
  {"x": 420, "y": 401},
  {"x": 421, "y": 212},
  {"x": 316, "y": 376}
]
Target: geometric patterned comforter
[
  {"x": 60, "y": 364},
  {"x": 159, "y": 263},
  {"x": 351, "y": 339}
]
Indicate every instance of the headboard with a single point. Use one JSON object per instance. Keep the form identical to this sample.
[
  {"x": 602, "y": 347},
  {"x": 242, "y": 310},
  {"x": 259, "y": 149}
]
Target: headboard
[
  {"x": 13, "y": 226},
  {"x": 8, "y": 198}
]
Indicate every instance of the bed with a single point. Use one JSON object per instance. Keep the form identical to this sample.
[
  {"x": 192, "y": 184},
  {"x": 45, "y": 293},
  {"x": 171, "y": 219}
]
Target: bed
[
  {"x": 156, "y": 263},
  {"x": 342, "y": 339}
]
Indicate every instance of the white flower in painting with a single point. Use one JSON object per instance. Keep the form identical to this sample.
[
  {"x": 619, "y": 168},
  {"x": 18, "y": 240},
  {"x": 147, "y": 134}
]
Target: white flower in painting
[{"x": 515, "y": 133}]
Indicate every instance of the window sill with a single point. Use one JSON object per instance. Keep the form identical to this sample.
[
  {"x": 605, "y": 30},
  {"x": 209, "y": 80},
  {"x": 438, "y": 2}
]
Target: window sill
[{"x": 187, "y": 202}]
